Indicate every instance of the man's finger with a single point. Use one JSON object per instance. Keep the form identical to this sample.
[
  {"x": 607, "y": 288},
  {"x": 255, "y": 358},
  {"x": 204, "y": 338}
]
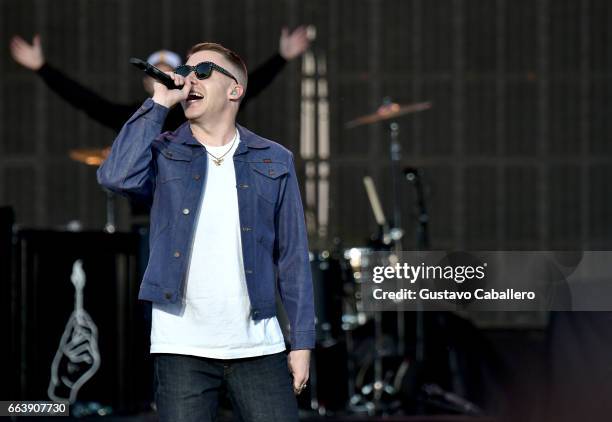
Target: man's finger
[
  {"x": 16, "y": 45},
  {"x": 186, "y": 87},
  {"x": 179, "y": 81},
  {"x": 298, "y": 387},
  {"x": 299, "y": 381},
  {"x": 21, "y": 43},
  {"x": 299, "y": 34}
]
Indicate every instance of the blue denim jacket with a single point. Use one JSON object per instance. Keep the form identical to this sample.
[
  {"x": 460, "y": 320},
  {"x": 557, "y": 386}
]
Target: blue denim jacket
[{"x": 169, "y": 170}]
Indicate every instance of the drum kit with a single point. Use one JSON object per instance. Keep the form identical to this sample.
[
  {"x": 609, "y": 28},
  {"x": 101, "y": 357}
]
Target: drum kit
[
  {"x": 341, "y": 318},
  {"x": 374, "y": 367},
  {"x": 381, "y": 377}
]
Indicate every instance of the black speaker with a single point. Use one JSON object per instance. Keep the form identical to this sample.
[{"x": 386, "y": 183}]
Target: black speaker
[
  {"x": 106, "y": 345},
  {"x": 7, "y": 352}
]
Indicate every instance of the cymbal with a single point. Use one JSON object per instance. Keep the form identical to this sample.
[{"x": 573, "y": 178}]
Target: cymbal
[
  {"x": 89, "y": 156},
  {"x": 387, "y": 112}
]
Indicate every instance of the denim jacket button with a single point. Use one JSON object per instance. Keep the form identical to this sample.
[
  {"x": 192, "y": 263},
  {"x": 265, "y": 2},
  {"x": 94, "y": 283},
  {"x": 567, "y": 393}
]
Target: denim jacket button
[
  {"x": 255, "y": 313},
  {"x": 196, "y": 177},
  {"x": 168, "y": 295},
  {"x": 186, "y": 211},
  {"x": 249, "y": 271},
  {"x": 177, "y": 254},
  {"x": 246, "y": 229}
]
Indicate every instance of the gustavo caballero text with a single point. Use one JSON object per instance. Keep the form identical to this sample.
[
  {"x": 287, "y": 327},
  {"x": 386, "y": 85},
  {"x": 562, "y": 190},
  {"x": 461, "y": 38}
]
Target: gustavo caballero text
[{"x": 428, "y": 294}]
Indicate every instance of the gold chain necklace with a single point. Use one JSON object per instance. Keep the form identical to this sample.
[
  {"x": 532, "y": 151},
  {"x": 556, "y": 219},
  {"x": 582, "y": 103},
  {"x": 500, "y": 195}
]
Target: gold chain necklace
[{"x": 219, "y": 160}]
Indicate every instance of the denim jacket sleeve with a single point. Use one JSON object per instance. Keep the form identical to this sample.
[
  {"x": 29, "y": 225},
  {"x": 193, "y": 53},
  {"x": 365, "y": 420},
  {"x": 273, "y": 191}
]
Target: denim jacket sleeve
[
  {"x": 293, "y": 263},
  {"x": 129, "y": 167}
]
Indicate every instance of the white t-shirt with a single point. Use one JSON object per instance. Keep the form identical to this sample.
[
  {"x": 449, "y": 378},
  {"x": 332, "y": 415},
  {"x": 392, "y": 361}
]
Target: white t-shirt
[{"x": 214, "y": 318}]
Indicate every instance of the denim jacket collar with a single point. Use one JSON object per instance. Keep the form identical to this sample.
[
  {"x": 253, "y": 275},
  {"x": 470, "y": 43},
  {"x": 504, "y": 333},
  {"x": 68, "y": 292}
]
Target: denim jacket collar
[{"x": 248, "y": 139}]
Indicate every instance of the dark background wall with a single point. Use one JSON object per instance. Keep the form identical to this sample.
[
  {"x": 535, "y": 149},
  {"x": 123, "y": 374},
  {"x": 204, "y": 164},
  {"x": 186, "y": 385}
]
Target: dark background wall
[{"x": 516, "y": 150}]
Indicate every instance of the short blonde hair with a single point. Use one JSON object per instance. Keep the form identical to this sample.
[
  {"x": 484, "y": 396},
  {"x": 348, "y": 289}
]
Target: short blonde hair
[{"x": 228, "y": 54}]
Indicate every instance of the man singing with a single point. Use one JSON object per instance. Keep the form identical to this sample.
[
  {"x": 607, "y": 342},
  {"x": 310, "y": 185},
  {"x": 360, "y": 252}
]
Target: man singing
[{"x": 226, "y": 223}]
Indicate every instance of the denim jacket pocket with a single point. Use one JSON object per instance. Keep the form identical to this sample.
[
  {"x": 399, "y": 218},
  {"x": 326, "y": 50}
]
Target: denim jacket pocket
[
  {"x": 173, "y": 164},
  {"x": 267, "y": 179}
]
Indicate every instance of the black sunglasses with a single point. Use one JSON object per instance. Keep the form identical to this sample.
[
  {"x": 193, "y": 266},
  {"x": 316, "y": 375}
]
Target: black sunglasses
[{"x": 202, "y": 70}]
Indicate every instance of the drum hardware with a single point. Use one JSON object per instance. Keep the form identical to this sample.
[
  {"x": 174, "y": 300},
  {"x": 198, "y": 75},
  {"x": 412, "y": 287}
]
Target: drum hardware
[
  {"x": 392, "y": 236},
  {"x": 371, "y": 387},
  {"x": 329, "y": 283},
  {"x": 95, "y": 157},
  {"x": 379, "y": 215},
  {"x": 89, "y": 156},
  {"x": 443, "y": 399},
  {"x": 430, "y": 393},
  {"x": 328, "y": 292},
  {"x": 369, "y": 398},
  {"x": 414, "y": 177},
  {"x": 357, "y": 260},
  {"x": 388, "y": 111}
]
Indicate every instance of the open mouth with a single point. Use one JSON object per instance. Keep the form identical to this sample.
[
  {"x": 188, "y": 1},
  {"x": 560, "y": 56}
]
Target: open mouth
[{"x": 193, "y": 97}]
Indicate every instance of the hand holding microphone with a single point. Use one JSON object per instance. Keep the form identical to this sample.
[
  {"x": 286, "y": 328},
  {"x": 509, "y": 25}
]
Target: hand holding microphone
[
  {"x": 168, "y": 88},
  {"x": 170, "y": 97}
]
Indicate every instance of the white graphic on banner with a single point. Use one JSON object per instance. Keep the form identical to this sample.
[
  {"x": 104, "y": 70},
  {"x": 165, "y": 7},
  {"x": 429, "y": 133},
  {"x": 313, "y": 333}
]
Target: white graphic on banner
[{"x": 77, "y": 359}]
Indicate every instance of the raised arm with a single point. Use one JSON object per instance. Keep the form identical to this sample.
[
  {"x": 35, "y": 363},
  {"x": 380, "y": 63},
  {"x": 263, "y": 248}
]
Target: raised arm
[
  {"x": 290, "y": 46},
  {"x": 129, "y": 169},
  {"x": 105, "y": 112}
]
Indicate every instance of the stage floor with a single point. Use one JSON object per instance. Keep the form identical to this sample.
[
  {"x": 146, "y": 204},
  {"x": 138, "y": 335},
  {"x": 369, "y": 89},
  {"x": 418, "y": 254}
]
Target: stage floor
[{"x": 304, "y": 417}]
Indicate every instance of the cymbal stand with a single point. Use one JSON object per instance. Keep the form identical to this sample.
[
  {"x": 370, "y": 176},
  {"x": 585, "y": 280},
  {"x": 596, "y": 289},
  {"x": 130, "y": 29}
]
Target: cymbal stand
[
  {"x": 110, "y": 226},
  {"x": 380, "y": 385}
]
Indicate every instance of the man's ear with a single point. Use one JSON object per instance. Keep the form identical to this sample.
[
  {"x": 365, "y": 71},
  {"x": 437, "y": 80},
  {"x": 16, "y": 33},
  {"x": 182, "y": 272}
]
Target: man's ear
[{"x": 236, "y": 92}]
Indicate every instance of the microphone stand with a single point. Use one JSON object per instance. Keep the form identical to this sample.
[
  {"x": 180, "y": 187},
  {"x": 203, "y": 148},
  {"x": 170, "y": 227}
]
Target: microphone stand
[{"x": 435, "y": 395}]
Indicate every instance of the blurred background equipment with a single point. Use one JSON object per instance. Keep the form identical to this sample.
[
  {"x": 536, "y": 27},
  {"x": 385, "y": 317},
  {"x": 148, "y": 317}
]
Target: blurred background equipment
[
  {"x": 46, "y": 296},
  {"x": 7, "y": 305},
  {"x": 77, "y": 358}
]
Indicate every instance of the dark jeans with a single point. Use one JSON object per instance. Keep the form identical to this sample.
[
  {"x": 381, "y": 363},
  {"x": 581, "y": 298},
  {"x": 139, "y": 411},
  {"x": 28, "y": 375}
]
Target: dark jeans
[{"x": 260, "y": 388}]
